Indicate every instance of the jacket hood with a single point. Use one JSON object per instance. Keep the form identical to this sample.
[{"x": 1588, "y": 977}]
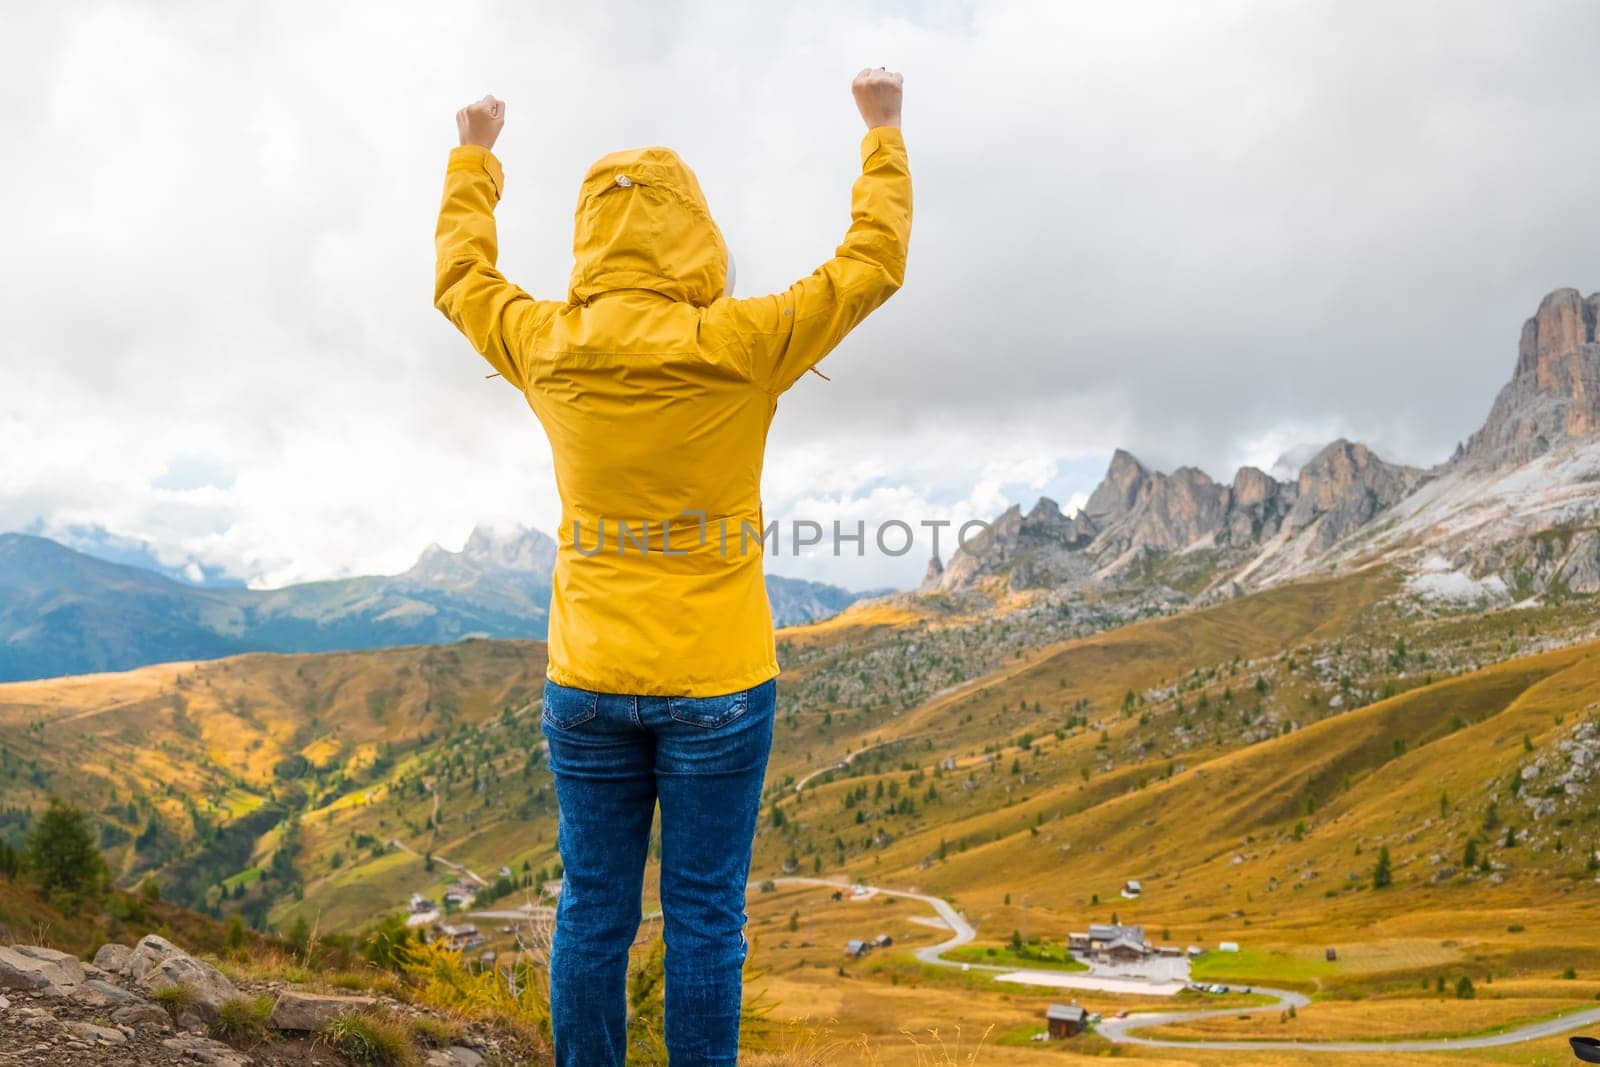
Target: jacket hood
[{"x": 643, "y": 223}]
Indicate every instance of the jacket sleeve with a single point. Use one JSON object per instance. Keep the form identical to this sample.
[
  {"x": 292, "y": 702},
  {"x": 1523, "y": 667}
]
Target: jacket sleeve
[
  {"x": 499, "y": 318},
  {"x": 786, "y": 334}
]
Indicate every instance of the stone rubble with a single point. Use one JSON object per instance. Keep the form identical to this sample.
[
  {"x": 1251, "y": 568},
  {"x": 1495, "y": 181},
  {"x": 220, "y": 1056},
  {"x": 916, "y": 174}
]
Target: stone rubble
[{"x": 57, "y": 1010}]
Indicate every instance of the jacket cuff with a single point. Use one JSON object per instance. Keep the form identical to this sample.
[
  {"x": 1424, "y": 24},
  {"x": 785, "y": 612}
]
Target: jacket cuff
[
  {"x": 473, "y": 157},
  {"x": 879, "y": 137}
]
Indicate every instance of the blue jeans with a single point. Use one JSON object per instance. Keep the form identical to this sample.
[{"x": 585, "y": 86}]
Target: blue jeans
[{"x": 614, "y": 757}]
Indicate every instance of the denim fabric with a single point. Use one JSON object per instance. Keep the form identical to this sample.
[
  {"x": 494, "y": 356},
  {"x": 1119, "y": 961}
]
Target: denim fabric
[{"x": 614, "y": 758}]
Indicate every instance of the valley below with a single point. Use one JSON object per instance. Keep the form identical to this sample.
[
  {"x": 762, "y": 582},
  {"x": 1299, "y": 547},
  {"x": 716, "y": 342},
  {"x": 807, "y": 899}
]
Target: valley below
[{"x": 1252, "y": 765}]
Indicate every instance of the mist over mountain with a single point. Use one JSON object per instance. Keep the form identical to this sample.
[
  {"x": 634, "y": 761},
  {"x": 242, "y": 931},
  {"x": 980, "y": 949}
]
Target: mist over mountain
[{"x": 1511, "y": 513}]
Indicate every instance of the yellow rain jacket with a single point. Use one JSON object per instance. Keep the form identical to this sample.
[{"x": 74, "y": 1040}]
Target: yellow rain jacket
[{"x": 656, "y": 392}]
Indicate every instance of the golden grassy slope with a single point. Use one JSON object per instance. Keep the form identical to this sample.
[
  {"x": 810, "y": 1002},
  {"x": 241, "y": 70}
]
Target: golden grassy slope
[
  {"x": 177, "y": 751},
  {"x": 1351, "y": 788},
  {"x": 1118, "y": 794}
]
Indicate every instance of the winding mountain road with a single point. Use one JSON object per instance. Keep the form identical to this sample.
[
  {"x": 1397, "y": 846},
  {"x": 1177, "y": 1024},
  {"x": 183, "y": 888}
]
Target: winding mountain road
[
  {"x": 961, "y": 930},
  {"x": 1121, "y": 1030},
  {"x": 1118, "y": 1030}
]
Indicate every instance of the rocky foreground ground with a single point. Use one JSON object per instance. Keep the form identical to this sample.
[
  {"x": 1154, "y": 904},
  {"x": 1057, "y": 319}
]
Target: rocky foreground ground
[{"x": 154, "y": 1005}]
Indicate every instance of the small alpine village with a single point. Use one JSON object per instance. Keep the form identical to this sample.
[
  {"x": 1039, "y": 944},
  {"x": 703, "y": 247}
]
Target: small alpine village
[{"x": 474, "y": 917}]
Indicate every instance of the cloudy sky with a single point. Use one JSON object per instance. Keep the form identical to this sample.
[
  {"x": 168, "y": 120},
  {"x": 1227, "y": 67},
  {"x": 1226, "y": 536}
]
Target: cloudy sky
[{"x": 1206, "y": 232}]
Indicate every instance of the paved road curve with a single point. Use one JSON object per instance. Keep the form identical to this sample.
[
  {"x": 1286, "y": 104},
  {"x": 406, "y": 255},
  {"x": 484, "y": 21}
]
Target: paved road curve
[
  {"x": 1120, "y": 1030},
  {"x": 962, "y": 931}
]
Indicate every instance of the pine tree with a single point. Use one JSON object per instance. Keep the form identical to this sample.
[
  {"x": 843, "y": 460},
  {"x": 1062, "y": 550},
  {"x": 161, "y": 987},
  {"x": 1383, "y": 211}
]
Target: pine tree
[
  {"x": 1383, "y": 874},
  {"x": 61, "y": 854}
]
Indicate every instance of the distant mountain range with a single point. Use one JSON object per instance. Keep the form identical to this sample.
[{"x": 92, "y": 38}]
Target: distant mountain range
[
  {"x": 66, "y": 612},
  {"x": 1514, "y": 513}
]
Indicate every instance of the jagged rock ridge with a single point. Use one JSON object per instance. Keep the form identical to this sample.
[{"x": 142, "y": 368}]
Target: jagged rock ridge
[
  {"x": 1136, "y": 513},
  {"x": 1528, "y": 470}
]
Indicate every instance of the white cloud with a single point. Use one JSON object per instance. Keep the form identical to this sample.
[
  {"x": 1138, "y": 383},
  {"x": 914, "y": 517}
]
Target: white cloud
[{"x": 1192, "y": 230}]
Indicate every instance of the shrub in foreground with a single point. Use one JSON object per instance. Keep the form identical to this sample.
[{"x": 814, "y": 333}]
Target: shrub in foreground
[
  {"x": 369, "y": 1039},
  {"x": 244, "y": 1020},
  {"x": 435, "y": 1033}
]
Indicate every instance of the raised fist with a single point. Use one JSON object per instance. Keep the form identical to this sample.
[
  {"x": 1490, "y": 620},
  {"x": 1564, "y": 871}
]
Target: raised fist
[
  {"x": 877, "y": 93},
  {"x": 480, "y": 123}
]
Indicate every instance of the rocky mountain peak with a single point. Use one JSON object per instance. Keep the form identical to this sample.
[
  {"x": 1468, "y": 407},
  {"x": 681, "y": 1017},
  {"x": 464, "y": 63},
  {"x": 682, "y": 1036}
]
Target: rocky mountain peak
[
  {"x": 1564, "y": 321},
  {"x": 1135, "y": 512},
  {"x": 1138, "y": 509},
  {"x": 1044, "y": 519},
  {"x": 1045, "y": 510},
  {"x": 517, "y": 548},
  {"x": 1116, "y": 494},
  {"x": 1344, "y": 486},
  {"x": 1030, "y": 546},
  {"x": 1554, "y": 396},
  {"x": 1252, "y": 485},
  {"x": 1257, "y": 506}
]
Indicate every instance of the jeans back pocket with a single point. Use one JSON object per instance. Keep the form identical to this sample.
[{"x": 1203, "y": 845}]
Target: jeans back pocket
[
  {"x": 710, "y": 712},
  {"x": 566, "y": 707}
]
